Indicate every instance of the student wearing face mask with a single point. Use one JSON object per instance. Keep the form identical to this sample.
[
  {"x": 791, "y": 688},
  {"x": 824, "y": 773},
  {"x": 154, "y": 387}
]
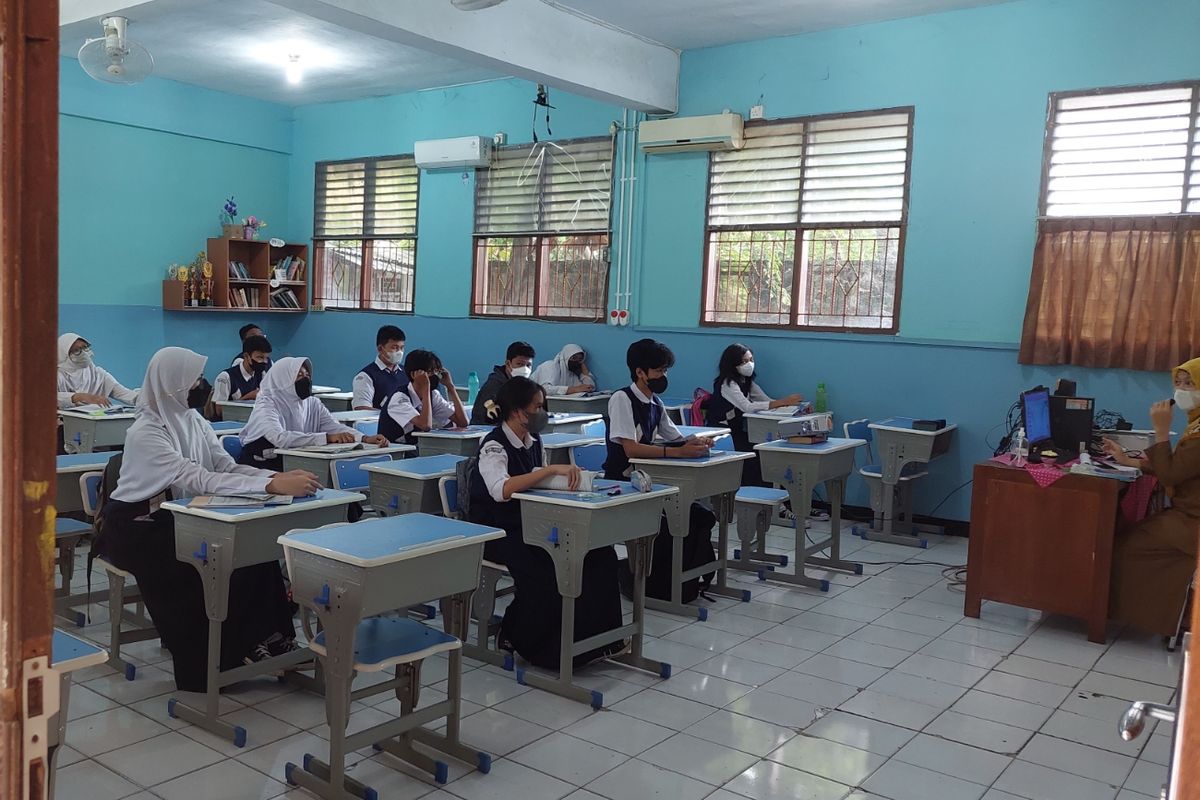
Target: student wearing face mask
[
  {"x": 241, "y": 381},
  {"x": 286, "y": 415},
  {"x": 172, "y": 452},
  {"x": 1154, "y": 561},
  {"x": 566, "y": 373},
  {"x": 420, "y": 406},
  {"x": 518, "y": 363},
  {"x": 511, "y": 461},
  {"x": 383, "y": 376},
  {"x": 735, "y": 394},
  {"x": 81, "y": 382},
  {"x": 248, "y": 332}
]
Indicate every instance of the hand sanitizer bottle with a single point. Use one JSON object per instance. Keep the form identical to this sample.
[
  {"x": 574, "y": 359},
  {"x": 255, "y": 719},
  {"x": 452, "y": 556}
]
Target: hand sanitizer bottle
[{"x": 1020, "y": 448}]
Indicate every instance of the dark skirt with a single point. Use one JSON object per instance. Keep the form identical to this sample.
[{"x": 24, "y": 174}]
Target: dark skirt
[
  {"x": 252, "y": 455},
  {"x": 174, "y": 596},
  {"x": 751, "y": 469}
]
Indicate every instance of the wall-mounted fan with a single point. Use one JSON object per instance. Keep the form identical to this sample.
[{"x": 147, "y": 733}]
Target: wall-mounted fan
[{"x": 113, "y": 58}]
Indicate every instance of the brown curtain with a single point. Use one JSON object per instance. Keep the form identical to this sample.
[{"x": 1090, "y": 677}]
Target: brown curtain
[{"x": 1114, "y": 292}]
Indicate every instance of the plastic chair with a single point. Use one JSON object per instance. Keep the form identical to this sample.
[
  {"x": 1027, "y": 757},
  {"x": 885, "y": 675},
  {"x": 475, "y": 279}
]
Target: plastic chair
[
  {"x": 723, "y": 443},
  {"x": 589, "y": 456},
  {"x": 233, "y": 446},
  {"x": 754, "y": 509},
  {"x": 594, "y": 428},
  {"x": 349, "y": 475},
  {"x": 872, "y": 473},
  {"x": 121, "y": 592},
  {"x": 483, "y": 602}
]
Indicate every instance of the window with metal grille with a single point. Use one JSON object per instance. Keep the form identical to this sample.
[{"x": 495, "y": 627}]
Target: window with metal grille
[
  {"x": 365, "y": 233},
  {"x": 1123, "y": 152},
  {"x": 805, "y": 225},
  {"x": 542, "y": 219}
]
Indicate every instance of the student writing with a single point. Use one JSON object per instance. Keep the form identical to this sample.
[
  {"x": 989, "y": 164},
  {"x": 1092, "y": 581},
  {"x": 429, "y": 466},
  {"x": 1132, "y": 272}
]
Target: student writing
[{"x": 566, "y": 373}]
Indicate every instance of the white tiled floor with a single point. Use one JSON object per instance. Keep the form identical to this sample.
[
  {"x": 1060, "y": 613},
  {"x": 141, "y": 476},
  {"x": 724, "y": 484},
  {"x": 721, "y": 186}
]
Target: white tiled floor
[{"x": 878, "y": 689}]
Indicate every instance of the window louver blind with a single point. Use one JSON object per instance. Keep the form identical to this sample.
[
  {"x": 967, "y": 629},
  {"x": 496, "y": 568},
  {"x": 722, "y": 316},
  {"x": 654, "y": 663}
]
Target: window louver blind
[
  {"x": 815, "y": 172},
  {"x": 548, "y": 187},
  {"x": 368, "y": 199},
  {"x": 1124, "y": 153}
]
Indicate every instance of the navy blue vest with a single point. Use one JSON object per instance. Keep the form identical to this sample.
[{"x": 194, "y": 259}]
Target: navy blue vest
[
  {"x": 646, "y": 416},
  {"x": 238, "y": 385},
  {"x": 386, "y": 384},
  {"x": 721, "y": 411},
  {"x": 388, "y": 427},
  {"x": 521, "y": 461}
]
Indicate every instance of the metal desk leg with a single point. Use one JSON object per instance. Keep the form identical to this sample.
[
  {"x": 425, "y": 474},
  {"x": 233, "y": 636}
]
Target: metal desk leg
[
  {"x": 640, "y": 553},
  {"x": 723, "y": 505},
  {"x": 753, "y": 522},
  {"x": 890, "y": 478},
  {"x": 837, "y": 491}
]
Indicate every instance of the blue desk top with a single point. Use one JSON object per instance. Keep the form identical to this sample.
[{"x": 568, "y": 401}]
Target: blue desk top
[
  {"x": 568, "y": 439},
  {"x": 564, "y": 417},
  {"x": 69, "y": 652},
  {"x": 228, "y": 426},
  {"x": 599, "y": 498},
  {"x": 323, "y": 497},
  {"x": 422, "y": 467},
  {"x": 713, "y": 457},
  {"x": 832, "y": 445},
  {"x": 83, "y": 462},
  {"x": 702, "y": 430},
  {"x": 469, "y": 432},
  {"x": 676, "y": 402},
  {"x": 388, "y": 539}
]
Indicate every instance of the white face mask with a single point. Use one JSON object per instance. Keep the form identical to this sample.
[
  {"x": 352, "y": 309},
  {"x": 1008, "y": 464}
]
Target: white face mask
[
  {"x": 1187, "y": 399},
  {"x": 393, "y": 357},
  {"x": 746, "y": 368},
  {"x": 83, "y": 358},
  {"x": 522, "y": 372}
]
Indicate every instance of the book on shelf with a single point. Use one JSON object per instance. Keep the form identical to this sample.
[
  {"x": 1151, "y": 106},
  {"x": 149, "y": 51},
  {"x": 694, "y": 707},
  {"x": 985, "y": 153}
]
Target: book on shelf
[
  {"x": 296, "y": 271},
  {"x": 284, "y": 298}
]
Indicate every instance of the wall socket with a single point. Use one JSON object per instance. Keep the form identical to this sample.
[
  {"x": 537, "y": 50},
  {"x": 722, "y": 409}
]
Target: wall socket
[{"x": 756, "y": 112}]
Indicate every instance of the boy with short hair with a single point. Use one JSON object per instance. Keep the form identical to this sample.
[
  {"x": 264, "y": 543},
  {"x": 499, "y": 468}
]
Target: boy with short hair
[
  {"x": 518, "y": 361},
  {"x": 384, "y": 376},
  {"x": 241, "y": 381},
  {"x": 419, "y": 406}
]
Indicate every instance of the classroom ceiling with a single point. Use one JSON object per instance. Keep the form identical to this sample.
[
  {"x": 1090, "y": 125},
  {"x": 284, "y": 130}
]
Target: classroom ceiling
[{"x": 687, "y": 24}]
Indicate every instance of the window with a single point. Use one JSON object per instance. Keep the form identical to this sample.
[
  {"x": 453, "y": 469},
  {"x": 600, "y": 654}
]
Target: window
[
  {"x": 1115, "y": 269},
  {"x": 806, "y": 224},
  {"x": 365, "y": 233},
  {"x": 542, "y": 231}
]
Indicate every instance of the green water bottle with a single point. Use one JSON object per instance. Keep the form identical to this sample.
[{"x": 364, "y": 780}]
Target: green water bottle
[
  {"x": 472, "y": 387},
  {"x": 821, "y": 404}
]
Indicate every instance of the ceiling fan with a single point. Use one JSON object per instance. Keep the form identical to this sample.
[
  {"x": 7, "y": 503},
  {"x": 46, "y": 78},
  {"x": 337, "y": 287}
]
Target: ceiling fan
[{"x": 113, "y": 58}]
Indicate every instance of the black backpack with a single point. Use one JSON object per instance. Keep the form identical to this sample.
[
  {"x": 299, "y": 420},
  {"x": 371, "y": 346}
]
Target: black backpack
[
  {"x": 697, "y": 551},
  {"x": 463, "y": 471}
]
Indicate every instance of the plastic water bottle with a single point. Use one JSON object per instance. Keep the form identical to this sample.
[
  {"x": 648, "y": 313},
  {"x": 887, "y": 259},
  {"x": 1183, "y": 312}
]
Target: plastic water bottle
[
  {"x": 1020, "y": 448},
  {"x": 822, "y": 402},
  {"x": 472, "y": 387}
]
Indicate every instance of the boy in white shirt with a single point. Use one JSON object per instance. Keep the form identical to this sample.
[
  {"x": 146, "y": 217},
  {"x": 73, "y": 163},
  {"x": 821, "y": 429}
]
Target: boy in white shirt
[{"x": 420, "y": 406}]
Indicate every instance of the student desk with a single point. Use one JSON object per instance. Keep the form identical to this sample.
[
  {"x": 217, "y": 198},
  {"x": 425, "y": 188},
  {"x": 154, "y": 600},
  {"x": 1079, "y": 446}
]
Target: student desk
[
  {"x": 717, "y": 475},
  {"x": 337, "y": 401},
  {"x": 84, "y": 432},
  {"x": 568, "y": 526},
  {"x": 569, "y": 423},
  {"x": 68, "y": 497},
  {"x": 1048, "y": 549},
  {"x": 67, "y": 654},
  {"x": 321, "y": 463},
  {"x": 900, "y": 444},
  {"x": 410, "y": 485},
  {"x": 319, "y": 390},
  {"x": 349, "y": 573},
  {"x": 348, "y": 418},
  {"x": 580, "y": 403},
  {"x": 463, "y": 393},
  {"x": 216, "y": 541},
  {"x": 453, "y": 441},
  {"x": 557, "y": 446},
  {"x": 676, "y": 406},
  {"x": 227, "y": 428},
  {"x": 703, "y": 431},
  {"x": 799, "y": 468},
  {"x": 763, "y": 426},
  {"x": 236, "y": 410}
]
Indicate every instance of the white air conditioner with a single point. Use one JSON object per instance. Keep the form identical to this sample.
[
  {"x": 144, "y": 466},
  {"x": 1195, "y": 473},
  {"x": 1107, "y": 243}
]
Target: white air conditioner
[
  {"x": 681, "y": 134},
  {"x": 465, "y": 151}
]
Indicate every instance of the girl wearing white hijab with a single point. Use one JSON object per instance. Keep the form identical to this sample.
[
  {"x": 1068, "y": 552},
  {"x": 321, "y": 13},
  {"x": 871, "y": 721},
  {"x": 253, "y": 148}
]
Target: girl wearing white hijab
[
  {"x": 171, "y": 450},
  {"x": 566, "y": 373},
  {"x": 80, "y": 381},
  {"x": 286, "y": 415}
]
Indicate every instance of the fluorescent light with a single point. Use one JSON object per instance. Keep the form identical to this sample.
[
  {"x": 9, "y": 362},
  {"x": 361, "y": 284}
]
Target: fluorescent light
[{"x": 293, "y": 71}]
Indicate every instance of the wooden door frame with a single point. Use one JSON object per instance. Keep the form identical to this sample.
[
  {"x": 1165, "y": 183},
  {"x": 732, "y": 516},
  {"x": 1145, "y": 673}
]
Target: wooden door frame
[{"x": 28, "y": 333}]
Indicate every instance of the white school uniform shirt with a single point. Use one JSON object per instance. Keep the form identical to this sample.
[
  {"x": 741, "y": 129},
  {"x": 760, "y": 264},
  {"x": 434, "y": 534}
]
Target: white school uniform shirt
[
  {"x": 755, "y": 402},
  {"x": 556, "y": 378},
  {"x": 493, "y": 462},
  {"x": 170, "y": 446},
  {"x": 285, "y": 420},
  {"x": 405, "y": 406},
  {"x": 73, "y": 379},
  {"x": 222, "y": 388},
  {"x": 621, "y": 424},
  {"x": 364, "y": 387}
]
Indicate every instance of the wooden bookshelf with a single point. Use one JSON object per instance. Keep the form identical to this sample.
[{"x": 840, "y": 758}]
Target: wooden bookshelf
[{"x": 260, "y": 260}]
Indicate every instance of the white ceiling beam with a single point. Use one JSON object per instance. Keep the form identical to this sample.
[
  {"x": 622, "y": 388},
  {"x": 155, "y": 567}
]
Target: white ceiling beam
[
  {"x": 524, "y": 38},
  {"x": 72, "y": 11}
]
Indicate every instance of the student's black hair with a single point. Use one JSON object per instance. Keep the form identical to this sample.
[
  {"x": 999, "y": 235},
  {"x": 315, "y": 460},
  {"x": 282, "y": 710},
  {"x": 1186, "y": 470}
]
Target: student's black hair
[
  {"x": 648, "y": 354},
  {"x": 515, "y": 395},
  {"x": 389, "y": 333},
  {"x": 519, "y": 349},
  {"x": 727, "y": 366},
  {"x": 418, "y": 360},
  {"x": 255, "y": 344},
  {"x": 242, "y": 331}
]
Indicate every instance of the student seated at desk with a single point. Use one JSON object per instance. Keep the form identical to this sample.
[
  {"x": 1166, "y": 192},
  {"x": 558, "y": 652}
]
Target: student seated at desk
[
  {"x": 245, "y": 332},
  {"x": 383, "y": 376},
  {"x": 241, "y": 381},
  {"x": 566, "y": 373},
  {"x": 1154, "y": 561},
  {"x": 170, "y": 450},
  {"x": 735, "y": 394},
  {"x": 511, "y": 461},
  {"x": 81, "y": 382},
  {"x": 287, "y": 415},
  {"x": 518, "y": 363},
  {"x": 420, "y": 406}
]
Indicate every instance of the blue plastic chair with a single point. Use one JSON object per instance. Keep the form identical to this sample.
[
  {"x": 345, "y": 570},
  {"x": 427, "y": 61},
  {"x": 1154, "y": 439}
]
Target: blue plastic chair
[
  {"x": 233, "y": 446},
  {"x": 723, "y": 443},
  {"x": 872, "y": 473},
  {"x": 89, "y": 491},
  {"x": 448, "y": 492},
  {"x": 349, "y": 475},
  {"x": 593, "y": 428},
  {"x": 589, "y": 456}
]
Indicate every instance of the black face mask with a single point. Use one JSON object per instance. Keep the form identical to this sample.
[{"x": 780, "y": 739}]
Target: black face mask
[
  {"x": 434, "y": 381},
  {"x": 538, "y": 420},
  {"x": 304, "y": 388},
  {"x": 576, "y": 367},
  {"x": 199, "y": 394},
  {"x": 657, "y": 385},
  {"x": 258, "y": 367}
]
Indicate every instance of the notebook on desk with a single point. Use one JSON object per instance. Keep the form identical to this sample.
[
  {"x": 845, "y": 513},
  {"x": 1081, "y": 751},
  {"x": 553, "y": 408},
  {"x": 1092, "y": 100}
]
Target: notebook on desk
[
  {"x": 240, "y": 501},
  {"x": 100, "y": 411},
  {"x": 331, "y": 448}
]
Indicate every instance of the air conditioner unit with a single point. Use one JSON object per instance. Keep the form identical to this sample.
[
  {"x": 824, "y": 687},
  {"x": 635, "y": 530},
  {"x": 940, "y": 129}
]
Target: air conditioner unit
[
  {"x": 681, "y": 134},
  {"x": 465, "y": 151}
]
